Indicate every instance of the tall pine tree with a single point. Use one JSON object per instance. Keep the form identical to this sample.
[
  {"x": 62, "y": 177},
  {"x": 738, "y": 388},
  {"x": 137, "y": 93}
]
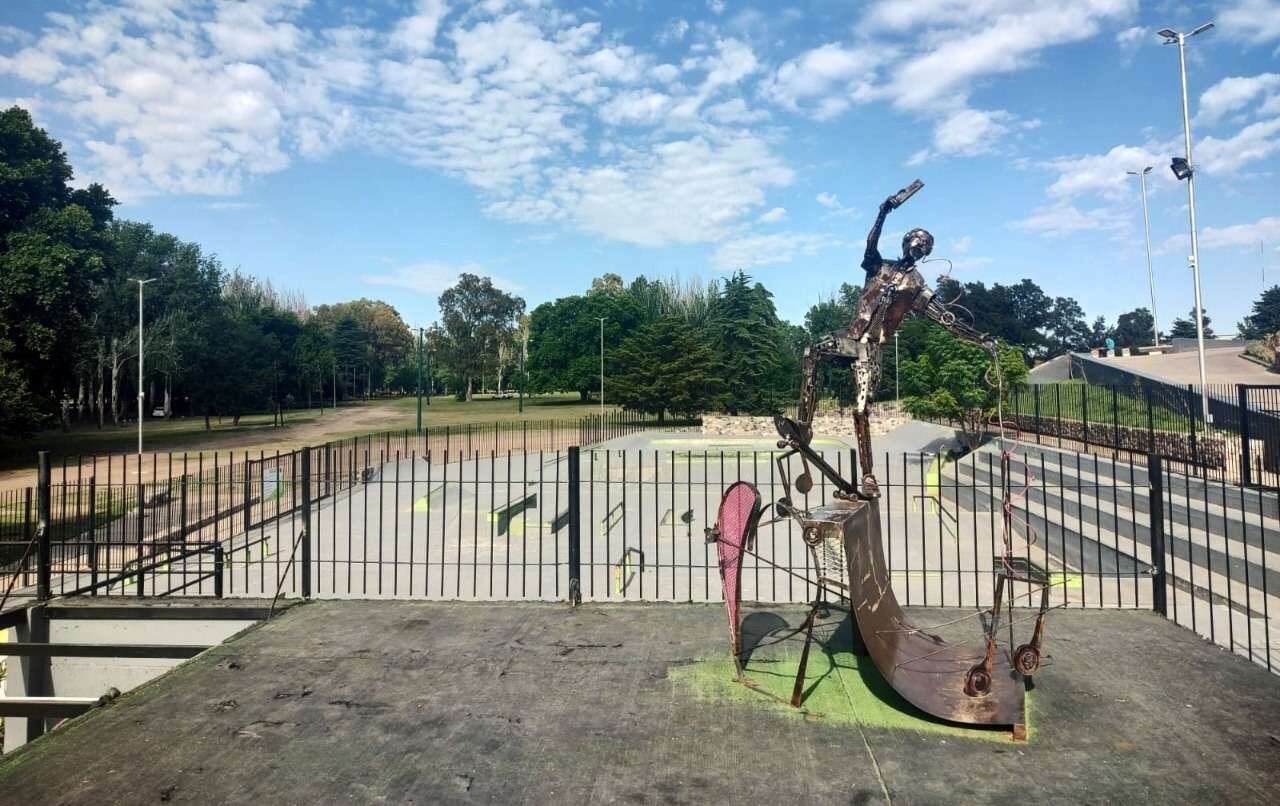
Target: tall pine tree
[{"x": 745, "y": 336}]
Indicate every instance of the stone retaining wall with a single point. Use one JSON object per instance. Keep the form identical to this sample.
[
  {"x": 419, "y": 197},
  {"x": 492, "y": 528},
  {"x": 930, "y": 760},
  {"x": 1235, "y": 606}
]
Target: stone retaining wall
[
  {"x": 1210, "y": 451},
  {"x": 884, "y": 418}
]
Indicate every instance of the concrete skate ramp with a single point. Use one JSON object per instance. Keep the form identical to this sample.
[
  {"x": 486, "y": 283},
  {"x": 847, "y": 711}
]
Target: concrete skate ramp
[{"x": 928, "y": 672}]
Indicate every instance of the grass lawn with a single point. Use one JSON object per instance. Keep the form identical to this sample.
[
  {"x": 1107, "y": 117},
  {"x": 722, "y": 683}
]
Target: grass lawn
[
  {"x": 305, "y": 427},
  {"x": 445, "y": 410},
  {"x": 1071, "y": 399}
]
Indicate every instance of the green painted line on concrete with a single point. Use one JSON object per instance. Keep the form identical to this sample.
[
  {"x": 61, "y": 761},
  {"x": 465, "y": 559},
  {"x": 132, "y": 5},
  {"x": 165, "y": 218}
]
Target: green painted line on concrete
[{"x": 841, "y": 688}]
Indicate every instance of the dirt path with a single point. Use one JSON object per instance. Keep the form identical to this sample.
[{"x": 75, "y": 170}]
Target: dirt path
[{"x": 346, "y": 421}]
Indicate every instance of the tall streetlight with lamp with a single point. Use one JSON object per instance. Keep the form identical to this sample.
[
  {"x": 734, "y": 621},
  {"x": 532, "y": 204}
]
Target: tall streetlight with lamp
[
  {"x": 601, "y": 318},
  {"x": 141, "y": 394},
  {"x": 1183, "y": 168},
  {"x": 1146, "y": 226}
]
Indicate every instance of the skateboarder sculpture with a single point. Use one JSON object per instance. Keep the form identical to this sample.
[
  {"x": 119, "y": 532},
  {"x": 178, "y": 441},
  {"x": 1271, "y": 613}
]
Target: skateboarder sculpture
[
  {"x": 893, "y": 289},
  {"x": 953, "y": 681}
]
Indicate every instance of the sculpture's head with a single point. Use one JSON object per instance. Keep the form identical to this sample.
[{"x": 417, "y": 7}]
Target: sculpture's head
[{"x": 916, "y": 245}]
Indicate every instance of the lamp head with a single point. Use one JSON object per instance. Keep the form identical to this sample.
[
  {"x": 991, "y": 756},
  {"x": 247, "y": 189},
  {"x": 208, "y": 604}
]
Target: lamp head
[
  {"x": 1181, "y": 169},
  {"x": 1170, "y": 35}
]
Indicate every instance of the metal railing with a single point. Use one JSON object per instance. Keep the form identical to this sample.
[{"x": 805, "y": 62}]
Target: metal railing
[
  {"x": 349, "y": 520},
  {"x": 1241, "y": 444}
]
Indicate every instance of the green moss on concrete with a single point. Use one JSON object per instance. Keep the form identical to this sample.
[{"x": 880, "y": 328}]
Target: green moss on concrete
[{"x": 841, "y": 688}]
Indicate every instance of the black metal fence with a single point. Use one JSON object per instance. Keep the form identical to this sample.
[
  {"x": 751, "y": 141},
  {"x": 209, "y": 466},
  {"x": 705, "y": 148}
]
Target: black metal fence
[
  {"x": 1241, "y": 444},
  {"x": 352, "y": 520}
]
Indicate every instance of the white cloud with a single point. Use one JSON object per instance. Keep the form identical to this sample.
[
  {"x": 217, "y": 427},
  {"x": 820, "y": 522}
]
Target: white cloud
[
  {"x": 825, "y": 81},
  {"x": 982, "y": 39},
  {"x": 433, "y": 278},
  {"x": 765, "y": 250},
  {"x": 1254, "y": 142},
  {"x": 417, "y": 32},
  {"x": 1237, "y": 93},
  {"x": 829, "y": 201},
  {"x": 968, "y": 132},
  {"x": 674, "y": 31},
  {"x": 1242, "y": 235},
  {"x": 1131, "y": 37},
  {"x": 773, "y": 216},
  {"x": 682, "y": 191},
  {"x": 1256, "y": 22},
  {"x": 962, "y": 245},
  {"x": 716, "y": 6},
  {"x": 1106, "y": 174},
  {"x": 1062, "y": 218}
]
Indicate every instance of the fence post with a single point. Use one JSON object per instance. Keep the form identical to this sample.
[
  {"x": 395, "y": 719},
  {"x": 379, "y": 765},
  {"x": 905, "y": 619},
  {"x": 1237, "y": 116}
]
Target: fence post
[
  {"x": 1246, "y": 476},
  {"x": 93, "y": 533},
  {"x": 45, "y": 558},
  {"x": 219, "y": 564},
  {"x": 1191, "y": 411},
  {"x": 1155, "y": 506},
  {"x": 306, "y": 523},
  {"x": 142, "y": 502},
  {"x": 1035, "y": 397},
  {"x": 575, "y": 527},
  {"x": 1151, "y": 422},
  {"x": 1084, "y": 413},
  {"x": 182, "y": 507},
  {"x": 1115, "y": 418},
  {"x": 248, "y": 490}
]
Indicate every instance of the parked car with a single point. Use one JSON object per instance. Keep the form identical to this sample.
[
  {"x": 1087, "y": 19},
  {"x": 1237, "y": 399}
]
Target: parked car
[{"x": 158, "y": 412}]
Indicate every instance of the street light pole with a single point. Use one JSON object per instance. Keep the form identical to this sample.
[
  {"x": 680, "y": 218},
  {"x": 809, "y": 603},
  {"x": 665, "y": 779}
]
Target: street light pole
[
  {"x": 1146, "y": 226},
  {"x": 419, "y": 380},
  {"x": 524, "y": 351},
  {"x": 897, "y": 396},
  {"x": 1171, "y": 37},
  {"x": 601, "y": 318},
  {"x": 140, "y": 283}
]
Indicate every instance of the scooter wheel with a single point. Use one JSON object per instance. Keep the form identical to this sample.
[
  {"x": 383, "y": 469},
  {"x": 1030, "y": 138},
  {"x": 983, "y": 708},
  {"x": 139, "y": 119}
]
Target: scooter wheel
[
  {"x": 977, "y": 681},
  {"x": 1026, "y": 659}
]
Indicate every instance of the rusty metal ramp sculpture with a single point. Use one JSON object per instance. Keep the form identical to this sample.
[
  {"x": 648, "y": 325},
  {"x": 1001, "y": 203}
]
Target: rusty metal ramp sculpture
[{"x": 968, "y": 684}]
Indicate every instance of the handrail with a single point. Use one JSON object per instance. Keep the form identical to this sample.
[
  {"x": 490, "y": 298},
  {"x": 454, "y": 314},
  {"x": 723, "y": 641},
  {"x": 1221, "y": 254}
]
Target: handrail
[{"x": 35, "y": 538}]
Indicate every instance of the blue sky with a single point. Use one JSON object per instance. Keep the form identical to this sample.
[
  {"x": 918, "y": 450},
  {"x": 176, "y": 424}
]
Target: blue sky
[{"x": 379, "y": 152}]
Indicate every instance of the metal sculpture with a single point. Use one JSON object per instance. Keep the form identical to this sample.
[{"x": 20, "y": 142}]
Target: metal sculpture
[{"x": 976, "y": 685}]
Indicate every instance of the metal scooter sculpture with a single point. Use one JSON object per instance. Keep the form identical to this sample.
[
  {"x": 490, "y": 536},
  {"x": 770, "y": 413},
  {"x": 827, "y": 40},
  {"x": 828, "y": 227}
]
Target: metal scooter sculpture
[{"x": 956, "y": 682}]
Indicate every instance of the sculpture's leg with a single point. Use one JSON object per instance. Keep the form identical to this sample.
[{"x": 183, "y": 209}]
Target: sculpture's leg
[
  {"x": 865, "y": 375},
  {"x": 798, "y": 689}
]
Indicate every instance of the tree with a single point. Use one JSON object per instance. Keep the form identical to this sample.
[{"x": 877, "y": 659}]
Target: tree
[
  {"x": 51, "y": 245},
  {"x": 564, "y": 340},
  {"x": 1019, "y": 314},
  {"x": 664, "y": 368},
  {"x": 1135, "y": 328},
  {"x": 689, "y": 300},
  {"x": 608, "y": 283},
  {"x": 950, "y": 379},
  {"x": 744, "y": 334},
  {"x": 1186, "y": 328},
  {"x": 826, "y": 316},
  {"x": 1265, "y": 317},
  {"x": 1066, "y": 329},
  {"x": 475, "y": 316}
]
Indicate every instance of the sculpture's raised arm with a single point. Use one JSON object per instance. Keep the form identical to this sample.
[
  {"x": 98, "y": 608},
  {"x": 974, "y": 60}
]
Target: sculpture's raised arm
[{"x": 871, "y": 260}]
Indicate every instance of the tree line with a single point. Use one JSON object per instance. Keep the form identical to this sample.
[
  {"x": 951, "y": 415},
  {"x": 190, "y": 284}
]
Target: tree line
[{"x": 217, "y": 342}]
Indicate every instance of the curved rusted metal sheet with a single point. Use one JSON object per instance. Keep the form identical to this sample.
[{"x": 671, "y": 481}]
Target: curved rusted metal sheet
[{"x": 928, "y": 672}]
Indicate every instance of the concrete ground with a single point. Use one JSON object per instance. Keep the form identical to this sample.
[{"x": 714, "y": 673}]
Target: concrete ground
[
  {"x": 1223, "y": 365},
  {"x": 421, "y": 702}
]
